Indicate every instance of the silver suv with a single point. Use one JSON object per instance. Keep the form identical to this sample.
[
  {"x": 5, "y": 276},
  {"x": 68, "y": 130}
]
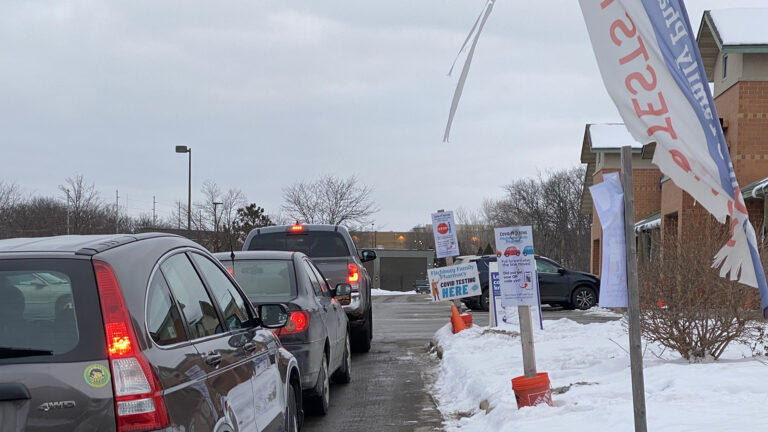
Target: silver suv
[
  {"x": 136, "y": 333},
  {"x": 333, "y": 252}
]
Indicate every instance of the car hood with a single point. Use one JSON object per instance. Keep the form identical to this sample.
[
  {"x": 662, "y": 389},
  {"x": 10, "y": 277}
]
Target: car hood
[{"x": 586, "y": 275}]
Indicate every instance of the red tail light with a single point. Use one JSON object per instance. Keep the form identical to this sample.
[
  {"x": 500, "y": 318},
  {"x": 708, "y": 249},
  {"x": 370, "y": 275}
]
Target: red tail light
[
  {"x": 298, "y": 322},
  {"x": 139, "y": 404},
  {"x": 297, "y": 228},
  {"x": 354, "y": 273}
]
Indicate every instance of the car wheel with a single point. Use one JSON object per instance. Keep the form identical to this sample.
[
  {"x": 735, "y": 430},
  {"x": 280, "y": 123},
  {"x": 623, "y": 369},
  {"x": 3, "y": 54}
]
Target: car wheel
[
  {"x": 583, "y": 298},
  {"x": 321, "y": 401},
  {"x": 484, "y": 299},
  {"x": 292, "y": 413},
  {"x": 364, "y": 334},
  {"x": 344, "y": 374}
]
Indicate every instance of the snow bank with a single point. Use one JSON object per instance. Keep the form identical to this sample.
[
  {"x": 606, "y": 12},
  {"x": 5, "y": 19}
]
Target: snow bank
[
  {"x": 381, "y": 292},
  {"x": 588, "y": 367}
]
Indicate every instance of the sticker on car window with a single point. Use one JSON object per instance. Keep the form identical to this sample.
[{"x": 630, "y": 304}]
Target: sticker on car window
[{"x": 96, "y": 375}]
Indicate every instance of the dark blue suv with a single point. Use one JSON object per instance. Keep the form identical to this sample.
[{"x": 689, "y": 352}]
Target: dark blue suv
[{"x": 558, "y": 286}]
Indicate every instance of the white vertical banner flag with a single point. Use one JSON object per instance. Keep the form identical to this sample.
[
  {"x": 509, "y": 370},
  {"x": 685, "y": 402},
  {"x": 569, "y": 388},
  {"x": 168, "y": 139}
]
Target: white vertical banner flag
[
  {"x": 517, "y": 267},
  {"x": 651, "y": 66},
  {"x": 444, "y": 230},
  {"x": 608, "y": 197}
]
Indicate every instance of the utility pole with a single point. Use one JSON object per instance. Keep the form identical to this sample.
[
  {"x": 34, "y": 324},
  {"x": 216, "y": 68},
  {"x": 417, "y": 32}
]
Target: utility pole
[
  {"x": 154, "y": 212},
  {"x": 216, "y": 227},
  {"x": 68, "y": 208},
  {"x": 117, "y": 212},
  {"x": 633, "y": 296}
]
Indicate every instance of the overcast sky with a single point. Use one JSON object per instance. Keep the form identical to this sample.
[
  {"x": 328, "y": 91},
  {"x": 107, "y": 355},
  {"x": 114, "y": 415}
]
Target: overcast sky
[{"x": 271, "y": 93}]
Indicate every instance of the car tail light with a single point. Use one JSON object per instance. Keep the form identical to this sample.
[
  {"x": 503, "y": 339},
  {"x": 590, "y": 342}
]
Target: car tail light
[
  {"x": 139, "y": 404},
  {"x": 297, "y": 228},
  {"x": 353, "y": 276},
  {"x": 298, "y": 322}
]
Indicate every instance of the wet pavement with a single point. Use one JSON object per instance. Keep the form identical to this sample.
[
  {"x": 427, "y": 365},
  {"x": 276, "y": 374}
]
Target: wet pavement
[{"x": 390, "y": 384}]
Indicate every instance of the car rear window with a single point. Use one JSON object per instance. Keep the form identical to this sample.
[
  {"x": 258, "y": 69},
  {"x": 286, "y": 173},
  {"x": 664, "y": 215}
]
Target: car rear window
[
  {"x": 314, "y": 244},
  {"x": 264, "y": 278},
  {"x": 47, "y": 310}
]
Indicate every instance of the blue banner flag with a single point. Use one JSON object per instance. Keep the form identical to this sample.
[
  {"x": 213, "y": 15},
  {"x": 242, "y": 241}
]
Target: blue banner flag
[{"x": 651, "y": 66}]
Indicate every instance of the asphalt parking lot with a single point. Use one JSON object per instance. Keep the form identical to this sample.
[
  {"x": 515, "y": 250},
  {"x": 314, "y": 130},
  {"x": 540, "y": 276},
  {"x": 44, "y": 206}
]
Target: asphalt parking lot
[{"x": 390, "y": 384}]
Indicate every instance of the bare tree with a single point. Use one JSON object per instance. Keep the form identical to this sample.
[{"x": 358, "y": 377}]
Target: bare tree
[
  {"x": 550, "y": 204},
  {"x": 330, "y": 200},
  {"x": 84, "y": 204}
]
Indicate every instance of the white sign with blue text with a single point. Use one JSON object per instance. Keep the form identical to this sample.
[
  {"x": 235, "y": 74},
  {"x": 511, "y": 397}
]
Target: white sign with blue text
[
  {"x": 454, "y": 282},
  {"x": 517, "y": 266},
  {"x": 494, "y": 303},
  {"x": 444, "y": 229}
]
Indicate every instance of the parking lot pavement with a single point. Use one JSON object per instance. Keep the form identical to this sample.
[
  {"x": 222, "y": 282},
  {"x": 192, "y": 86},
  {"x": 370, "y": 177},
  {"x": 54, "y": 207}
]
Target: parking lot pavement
[{"x": 390, "y": 384}]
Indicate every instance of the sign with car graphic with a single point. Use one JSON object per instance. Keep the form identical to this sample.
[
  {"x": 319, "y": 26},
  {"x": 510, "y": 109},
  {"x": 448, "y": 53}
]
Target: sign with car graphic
[
  {"x": 517, "y": 267},
  {"x": 453, "y": 282},
  {"x": 444, "y": 229}
]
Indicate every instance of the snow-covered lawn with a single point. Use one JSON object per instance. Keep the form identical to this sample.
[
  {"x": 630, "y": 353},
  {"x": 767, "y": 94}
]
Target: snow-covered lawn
[
  {"x": 588, "y": 368},
  {"x": 382, "y": 292}
]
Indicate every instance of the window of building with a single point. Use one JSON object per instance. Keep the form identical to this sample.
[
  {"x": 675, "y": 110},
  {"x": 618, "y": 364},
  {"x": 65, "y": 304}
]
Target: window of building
[{"x": 725, "y": 65}]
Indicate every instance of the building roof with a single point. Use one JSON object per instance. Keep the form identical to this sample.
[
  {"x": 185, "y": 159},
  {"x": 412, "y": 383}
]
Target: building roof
[
  {"x": 651, "y": 222},
  {"x": 756, "y": 190},
  {"x": 602, "y": 138},
  {"x": 740, "y": 30}
]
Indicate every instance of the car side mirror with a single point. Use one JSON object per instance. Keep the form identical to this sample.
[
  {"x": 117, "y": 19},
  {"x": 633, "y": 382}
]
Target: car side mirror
[
  {"x": 343, "y": 293},
  {"x": 561, "y": 270},
  {"x": 273, "y": 315},
  {"x": 368, "y": 255}
]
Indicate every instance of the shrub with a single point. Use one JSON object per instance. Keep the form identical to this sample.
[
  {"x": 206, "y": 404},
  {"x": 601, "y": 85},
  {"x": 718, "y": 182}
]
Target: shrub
[{"x": 687, "y": 307}]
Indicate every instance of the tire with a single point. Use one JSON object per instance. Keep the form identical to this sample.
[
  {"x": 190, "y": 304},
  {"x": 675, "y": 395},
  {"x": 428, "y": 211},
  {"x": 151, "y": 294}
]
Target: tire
[
  {"x": 320, "y": 402},
  {"x": 363, "y": 335},
  {"x": 292, "y": 412},
  {"x": 484, "y": 300},
  {"x": 344, "y": 374},
  {"x": 583, "y": 298}
]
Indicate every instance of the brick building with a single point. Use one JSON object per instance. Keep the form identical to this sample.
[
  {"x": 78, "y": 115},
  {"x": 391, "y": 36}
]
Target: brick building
[
  {"x": 601, "y": 151},
  {"x": 734, "y": 49}
]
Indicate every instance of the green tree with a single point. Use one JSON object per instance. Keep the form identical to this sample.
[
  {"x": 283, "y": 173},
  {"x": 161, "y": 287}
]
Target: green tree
[
  {"x": 248, "y": 218},
  {"x": 488, "y": 250}
]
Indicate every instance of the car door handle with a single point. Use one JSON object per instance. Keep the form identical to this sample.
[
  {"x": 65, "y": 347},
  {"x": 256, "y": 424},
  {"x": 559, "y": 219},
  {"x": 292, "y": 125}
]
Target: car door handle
[
  {"x": 13, "y": 392},
  {"x": 213, "y": 359},
  {"x": 249, "y": 347}
]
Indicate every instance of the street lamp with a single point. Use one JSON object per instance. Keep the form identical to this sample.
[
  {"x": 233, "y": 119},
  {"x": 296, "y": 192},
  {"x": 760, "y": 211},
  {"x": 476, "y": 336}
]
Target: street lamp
[{"x": 185, "y": 149}]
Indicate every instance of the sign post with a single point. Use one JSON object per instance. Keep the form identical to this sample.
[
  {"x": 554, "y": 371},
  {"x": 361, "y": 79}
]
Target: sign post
[
  {"x": 519, "y": 284},
  {"x": 635, "y": 345}
]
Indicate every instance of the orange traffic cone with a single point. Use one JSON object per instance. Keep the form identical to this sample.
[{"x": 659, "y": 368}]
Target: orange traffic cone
[{"x": 456, "y": 320}]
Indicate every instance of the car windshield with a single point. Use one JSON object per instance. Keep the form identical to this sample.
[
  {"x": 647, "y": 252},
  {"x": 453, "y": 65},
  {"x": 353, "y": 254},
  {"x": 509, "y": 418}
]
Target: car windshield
[
  {"x": 314, "y": 244},
  {"x": 264, "y": 278}
]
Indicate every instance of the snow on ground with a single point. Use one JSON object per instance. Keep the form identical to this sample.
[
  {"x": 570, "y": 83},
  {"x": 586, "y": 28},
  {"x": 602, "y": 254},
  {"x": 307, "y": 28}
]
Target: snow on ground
[
  {"x": 382, "y": 292},
  {"x": 591, "y": 363}
]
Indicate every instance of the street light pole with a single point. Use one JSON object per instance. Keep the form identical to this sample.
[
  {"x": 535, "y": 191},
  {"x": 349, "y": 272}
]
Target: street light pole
[{"x": 185, "y": 149}]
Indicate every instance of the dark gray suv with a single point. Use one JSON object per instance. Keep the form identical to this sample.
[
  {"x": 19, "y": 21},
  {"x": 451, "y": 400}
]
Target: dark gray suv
[
  {"x": 136, "y": 333},
  {"x": 332, "y": 250}
]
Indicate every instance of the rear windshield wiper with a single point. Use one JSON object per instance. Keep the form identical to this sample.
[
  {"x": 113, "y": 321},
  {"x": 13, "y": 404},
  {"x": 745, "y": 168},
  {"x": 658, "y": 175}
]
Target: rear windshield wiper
[{"x": 9, "y": 352}]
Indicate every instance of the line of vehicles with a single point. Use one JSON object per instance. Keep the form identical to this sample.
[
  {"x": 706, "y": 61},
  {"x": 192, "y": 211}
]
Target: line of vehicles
[{"x": 152, "y": 332}]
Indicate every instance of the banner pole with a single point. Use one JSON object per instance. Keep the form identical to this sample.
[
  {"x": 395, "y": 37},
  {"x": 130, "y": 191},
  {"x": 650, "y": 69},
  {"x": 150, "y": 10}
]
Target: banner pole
[{"x": 635, "y": 343}]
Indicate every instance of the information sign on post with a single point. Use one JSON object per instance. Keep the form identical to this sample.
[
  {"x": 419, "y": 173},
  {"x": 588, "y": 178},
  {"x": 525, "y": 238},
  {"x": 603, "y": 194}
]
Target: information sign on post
[
  {"x": 444, "y": 229},
  {"x": 454, "y": 282},
  {"x": 496, "y": 311},
  {"x": 517, "y": 266}
]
